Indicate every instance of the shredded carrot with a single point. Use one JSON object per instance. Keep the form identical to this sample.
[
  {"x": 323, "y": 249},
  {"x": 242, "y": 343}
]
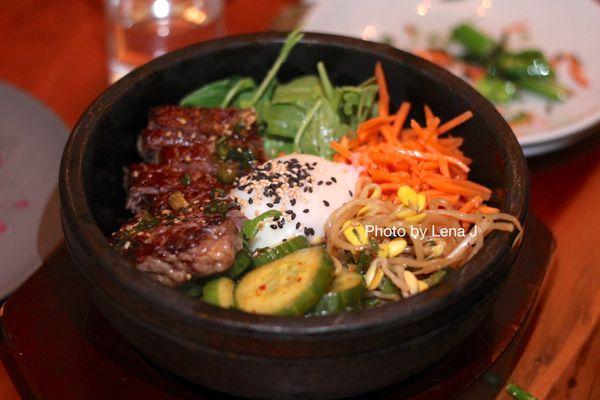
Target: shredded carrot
[
  {"x": 576, "y": 70},
  {"x": 454, "y": 122},
  {"x": 384, "y": 97},
  {"x": 488, "y": 210},
  {"x": 421, "y": 155},
  {"x": 343, "y": 151},
  {"x": 400, "y": 118}
]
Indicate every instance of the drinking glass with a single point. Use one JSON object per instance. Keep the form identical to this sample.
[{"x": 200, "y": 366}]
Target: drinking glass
[{"x": 140, "y": 30}]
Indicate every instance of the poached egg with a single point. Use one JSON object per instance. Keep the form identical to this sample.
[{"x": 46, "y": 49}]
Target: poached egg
[{"x": 306, "y": 189}]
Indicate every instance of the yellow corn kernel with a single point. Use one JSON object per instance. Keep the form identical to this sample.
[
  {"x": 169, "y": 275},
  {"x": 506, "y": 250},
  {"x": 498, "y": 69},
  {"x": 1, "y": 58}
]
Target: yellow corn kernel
[
  {"x": 396, "y": 246},
  {"x": 421, "y": 202},
  {"x": 177, "y": 201},
  {"x": 422, "y": 286},
  {"x": 411, "y": 282},
  {"x": 408, "y": 196},
  {"x": 383, "y": 250},
  {"x": 415, "y": 219},
  {"x": 376, "y": 193},
  {"x": 404, "y": 213},
  {"x": 357, "y": 235}
]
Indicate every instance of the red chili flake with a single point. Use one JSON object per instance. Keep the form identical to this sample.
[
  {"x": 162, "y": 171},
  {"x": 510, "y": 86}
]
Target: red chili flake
[
  {"x": 261, "y": 289},
  {"x": 22, "y": 204},
  {"x": 3, "y": 227}
]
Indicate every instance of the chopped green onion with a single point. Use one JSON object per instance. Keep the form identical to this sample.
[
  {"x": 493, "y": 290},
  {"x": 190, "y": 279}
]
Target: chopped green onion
[
  {"x": 186, "y": 179},
  {"x": 250, "y": 227},
  {"x": 243, "y": 260}
]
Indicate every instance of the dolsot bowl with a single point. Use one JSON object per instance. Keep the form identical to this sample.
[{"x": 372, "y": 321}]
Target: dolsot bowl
[{"x": 282, "y": 357}]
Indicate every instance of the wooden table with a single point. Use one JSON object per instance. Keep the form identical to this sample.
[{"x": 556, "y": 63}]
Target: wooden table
[{"x": 55, "y": 51}]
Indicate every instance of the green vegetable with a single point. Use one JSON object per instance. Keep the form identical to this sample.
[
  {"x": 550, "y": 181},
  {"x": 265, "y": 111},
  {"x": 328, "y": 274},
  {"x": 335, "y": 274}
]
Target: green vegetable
[
  {"x": 371, "y": 302},
  {"x": 291, "y": 285},
  {"x": 346, "y": 293},
  {"x": 243, "y": 261},
  {"x": 476, "y": 43},
  {"x": 437, "y": 276},
  {"x": 325, "y": 82},
  {"x": 212, "y": 94},
  {"x": 146, "y": 222},
  {"x": 305, "y": 122},
  {"x": 250, "y": 227},
  {"x": 303, "y": 115},
  {"x": 227, "y": 173},
  {"x": 519, "y": 394},
  {"x": 274, "y": 147},
  {"x": 387, "y": 286},
  {"x": 186, "y": 179},
  {"x": 363, "y": 260},
  {"x": 497, "y": 90},
  {"x": 546, "y": 87},
  {"x": 219, "y": 292},
  {"x": 523, "y": 65},
  {"x": 293, "y": 38},
  {"x": 217, "y": 207},
  {"x": 243, "y": 84},
  {"x": 222, "y": 148},
  {"x": 271, "y": 254}
]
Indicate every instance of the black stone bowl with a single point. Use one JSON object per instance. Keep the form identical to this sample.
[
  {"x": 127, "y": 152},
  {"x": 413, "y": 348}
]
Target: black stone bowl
[{"x": 282, "y": 357}]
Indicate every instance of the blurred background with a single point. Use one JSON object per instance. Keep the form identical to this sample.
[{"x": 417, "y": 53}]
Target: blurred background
[{"x": 59, "y": 55}]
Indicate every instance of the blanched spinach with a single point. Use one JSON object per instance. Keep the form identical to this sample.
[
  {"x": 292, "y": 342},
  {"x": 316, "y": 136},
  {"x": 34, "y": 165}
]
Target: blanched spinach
[{"x": 303, "y": 115}]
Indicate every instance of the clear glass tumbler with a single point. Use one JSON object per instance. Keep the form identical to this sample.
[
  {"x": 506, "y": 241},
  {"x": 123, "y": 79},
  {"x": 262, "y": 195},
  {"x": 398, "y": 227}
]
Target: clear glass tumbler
[{"x": 140, "y": 30}]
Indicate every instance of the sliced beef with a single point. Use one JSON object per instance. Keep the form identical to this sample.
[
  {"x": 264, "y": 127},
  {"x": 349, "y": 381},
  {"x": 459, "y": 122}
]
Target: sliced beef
[
  {"x": 185, "y": 126},
  {"x": 192, "y": 155},
  {"x": 150, "y": 186},
  {"x": 175, "y": 247}
]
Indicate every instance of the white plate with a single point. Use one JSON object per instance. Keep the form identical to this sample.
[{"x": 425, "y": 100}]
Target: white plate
[
  {"x": 31, "y": 143},
  {"x": 553, "y": 26}
]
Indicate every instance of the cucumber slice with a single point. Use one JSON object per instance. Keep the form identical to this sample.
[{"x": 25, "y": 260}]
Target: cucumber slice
[
  {"x": 243, "y": 260},
  {"x": 219, "y": 292},
  {"x": 271, "y": 254},
  {"x": 346, "y": 292},
  {"x": 289, "y": 286}
]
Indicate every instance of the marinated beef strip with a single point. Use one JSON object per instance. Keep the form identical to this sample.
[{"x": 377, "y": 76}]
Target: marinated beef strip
[
  {"x": 173, "y": 248},
  {"x": 185, "y": 126},
  {"x": 183, "y": 226},
  {"x": 151, "y": 185}
]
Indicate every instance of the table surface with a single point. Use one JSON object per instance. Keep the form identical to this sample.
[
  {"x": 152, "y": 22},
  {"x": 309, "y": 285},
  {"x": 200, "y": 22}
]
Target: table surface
[{"x": 55, "y": 51}]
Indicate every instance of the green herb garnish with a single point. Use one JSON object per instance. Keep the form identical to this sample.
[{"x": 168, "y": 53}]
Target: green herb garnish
[
  {"x": 218, "y": 207},
  {"x": 250, "y": 227},
  {"x": 186, "y": 179}
]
